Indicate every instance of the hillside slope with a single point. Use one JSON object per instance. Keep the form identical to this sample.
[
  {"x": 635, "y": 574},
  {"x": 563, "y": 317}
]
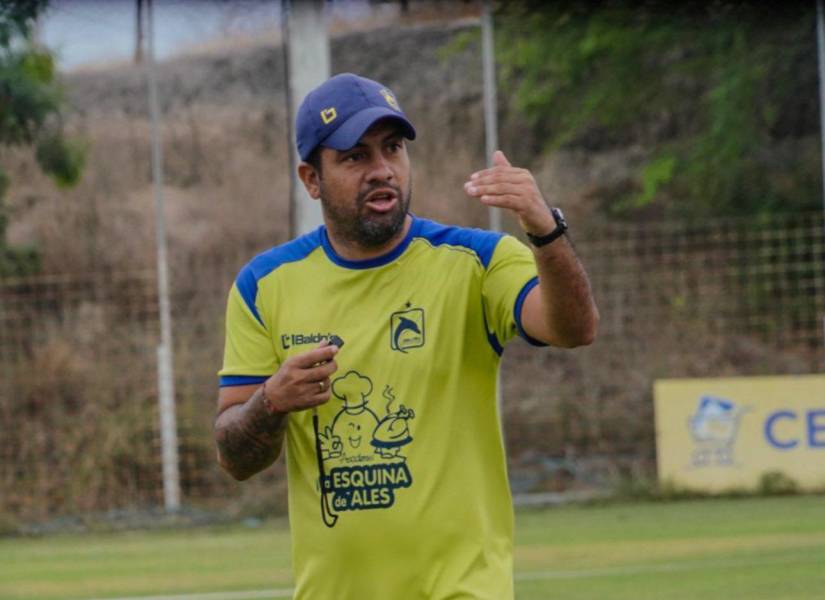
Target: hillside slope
[{"x": 225, "y": 141}]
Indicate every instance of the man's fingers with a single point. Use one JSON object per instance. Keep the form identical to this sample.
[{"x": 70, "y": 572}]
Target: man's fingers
[
  {"x": 500, "y": 172},
  {"x": 311, "y": 401},
  {"x": 312, "y": 357},
  {"x": 501, "y": 201},
  {"x": 320, "y": 372},
  {"x": 312, "y": 393},
  {"x": 319, "y": 393},
  {"x": 318, "y": 400},
  {"x": 519, "y": 176},
  {"x": 499, "y": 159},
  {"x": 478, "y": 187},
  {"x": 498, "y": 188},
  {"x": 504, "y": 177}
]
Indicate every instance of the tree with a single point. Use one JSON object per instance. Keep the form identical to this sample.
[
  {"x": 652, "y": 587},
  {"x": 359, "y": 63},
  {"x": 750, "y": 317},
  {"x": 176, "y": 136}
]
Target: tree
[
  {"x": 30, "y": 105},
  {"x": 722, "y": 94}
]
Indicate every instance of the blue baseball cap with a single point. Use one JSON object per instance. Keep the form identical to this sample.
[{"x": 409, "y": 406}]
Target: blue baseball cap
[{"x": 339, "y": 111}]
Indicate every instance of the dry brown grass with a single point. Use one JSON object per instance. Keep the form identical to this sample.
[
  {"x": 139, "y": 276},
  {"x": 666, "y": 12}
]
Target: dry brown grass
[{"x": 77, "y": 346}]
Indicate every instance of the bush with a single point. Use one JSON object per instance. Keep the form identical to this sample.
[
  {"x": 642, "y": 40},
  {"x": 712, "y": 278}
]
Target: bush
[{"x": 776, "y": 483}]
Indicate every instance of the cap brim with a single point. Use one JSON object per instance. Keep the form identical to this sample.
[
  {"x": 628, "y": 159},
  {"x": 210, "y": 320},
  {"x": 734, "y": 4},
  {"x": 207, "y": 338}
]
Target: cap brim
[{"x": 348, "y": 134}]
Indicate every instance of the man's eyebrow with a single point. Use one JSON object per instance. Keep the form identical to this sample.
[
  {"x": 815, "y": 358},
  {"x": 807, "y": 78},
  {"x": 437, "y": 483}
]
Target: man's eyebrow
[
  {"x": 396, "y": 133},
  {"x": 357, "y": 146},
  {"x": 387, "y": 138}
]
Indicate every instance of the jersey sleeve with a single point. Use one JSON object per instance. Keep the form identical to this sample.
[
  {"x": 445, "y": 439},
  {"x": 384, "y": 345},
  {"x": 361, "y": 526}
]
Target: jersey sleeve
[
  {"x": 510, "y": 275},
  {"x": 249, "y": 356}
]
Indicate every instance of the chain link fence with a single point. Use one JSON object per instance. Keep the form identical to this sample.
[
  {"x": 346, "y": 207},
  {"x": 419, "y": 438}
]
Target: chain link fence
[{"x": 78, "y": 379}]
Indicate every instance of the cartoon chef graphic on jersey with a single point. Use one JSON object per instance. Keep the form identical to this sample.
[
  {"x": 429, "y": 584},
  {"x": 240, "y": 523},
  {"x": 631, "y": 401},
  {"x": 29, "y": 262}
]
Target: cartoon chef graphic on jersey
[{"x": 362, "y": 452}]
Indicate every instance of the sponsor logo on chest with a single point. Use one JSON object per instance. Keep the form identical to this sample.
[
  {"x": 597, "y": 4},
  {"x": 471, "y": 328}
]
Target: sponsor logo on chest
[{"x": 298, "y": 339}]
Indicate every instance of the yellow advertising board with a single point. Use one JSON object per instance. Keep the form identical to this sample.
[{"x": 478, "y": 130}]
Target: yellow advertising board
[{"x": 720, "y": 434}]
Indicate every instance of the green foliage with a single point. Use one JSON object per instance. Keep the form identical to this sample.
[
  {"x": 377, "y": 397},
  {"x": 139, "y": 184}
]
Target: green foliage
[
  {"x": 652, "y": 490},
  {"x": 17, "y": 18},
  {"x": 711, "y": 89},
  {"x": 4, "y": 185},
  {"x": 61, "y": 158},
  {"x": 655, "y": 173},
  {"x": 18, "y": 261},
  {"x": 458, "y": 44},
  {"x": 30, "y": 104},
  {"x": 28, "y": 95},
  {"x": 776, "y": 483}
]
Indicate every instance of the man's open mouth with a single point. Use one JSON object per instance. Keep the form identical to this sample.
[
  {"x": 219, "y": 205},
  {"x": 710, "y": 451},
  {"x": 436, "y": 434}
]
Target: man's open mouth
[{"x": 383, "y": 200}]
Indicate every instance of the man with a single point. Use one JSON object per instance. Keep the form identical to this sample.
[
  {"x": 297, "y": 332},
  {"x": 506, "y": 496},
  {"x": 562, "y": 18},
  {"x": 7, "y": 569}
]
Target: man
[{"x": 397, "y": 476}]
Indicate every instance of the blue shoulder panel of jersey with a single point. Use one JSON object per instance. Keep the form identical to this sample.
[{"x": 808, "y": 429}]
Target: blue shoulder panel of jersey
[
  {"x": 266, "y": 262},
  {"x": 483, "y": 243},
  {"x": 233, "y": 380},
  {"x": 522, "y": 296}
]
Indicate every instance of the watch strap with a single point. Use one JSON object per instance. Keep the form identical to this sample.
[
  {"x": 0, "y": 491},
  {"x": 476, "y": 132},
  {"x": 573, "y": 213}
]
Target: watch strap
[{"x": 561, "y": 227}]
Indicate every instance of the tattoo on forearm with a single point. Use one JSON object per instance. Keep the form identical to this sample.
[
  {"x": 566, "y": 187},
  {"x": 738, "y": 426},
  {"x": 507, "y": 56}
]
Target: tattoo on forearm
[{"x": 249, "y": 438}]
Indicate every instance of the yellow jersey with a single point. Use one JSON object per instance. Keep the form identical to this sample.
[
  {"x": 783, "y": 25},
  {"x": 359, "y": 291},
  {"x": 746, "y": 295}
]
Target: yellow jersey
[{"x": 398, "y": 490}]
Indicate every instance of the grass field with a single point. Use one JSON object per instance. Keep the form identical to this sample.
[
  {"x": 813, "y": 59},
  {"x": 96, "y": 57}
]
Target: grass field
[{"x": 710, "y": 549}]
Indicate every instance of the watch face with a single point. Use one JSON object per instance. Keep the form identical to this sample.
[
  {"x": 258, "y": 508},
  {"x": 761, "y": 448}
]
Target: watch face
[{"x": 559, "y": 216}]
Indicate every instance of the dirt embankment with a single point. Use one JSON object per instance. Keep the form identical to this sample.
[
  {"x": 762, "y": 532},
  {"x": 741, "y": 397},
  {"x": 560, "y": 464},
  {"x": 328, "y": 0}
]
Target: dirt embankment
[{"x": 225, "y": 143}]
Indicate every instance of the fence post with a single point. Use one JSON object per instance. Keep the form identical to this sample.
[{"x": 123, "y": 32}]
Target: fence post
[
  {"x": 166, "y": 383},
  {"x": 307, "y": 61},
  {"x": 490, "y": 103},
  {"x": 168, "y": 430}
]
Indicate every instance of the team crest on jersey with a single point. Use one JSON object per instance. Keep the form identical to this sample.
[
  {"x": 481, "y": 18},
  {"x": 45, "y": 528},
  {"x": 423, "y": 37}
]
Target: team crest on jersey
[
  {"x": 407, "y": 329},
  {"x": 360, "y": 450}
]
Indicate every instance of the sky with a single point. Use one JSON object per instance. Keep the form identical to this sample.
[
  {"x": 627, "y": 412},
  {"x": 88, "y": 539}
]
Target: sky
[{"x": 93, "y": 32}]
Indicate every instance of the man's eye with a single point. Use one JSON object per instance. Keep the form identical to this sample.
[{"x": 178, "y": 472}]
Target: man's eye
[
  {"x": 355, "y": 156},
  {"x": 395, "y": 146}
]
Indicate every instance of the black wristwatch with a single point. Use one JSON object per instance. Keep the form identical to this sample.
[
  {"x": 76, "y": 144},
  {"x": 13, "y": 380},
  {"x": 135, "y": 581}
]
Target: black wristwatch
[{"x": 561, "y": 227}]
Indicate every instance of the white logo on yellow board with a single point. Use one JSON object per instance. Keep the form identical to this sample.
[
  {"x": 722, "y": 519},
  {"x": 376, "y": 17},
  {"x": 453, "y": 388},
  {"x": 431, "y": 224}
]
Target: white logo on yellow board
[{"x": 714, "y": 428}]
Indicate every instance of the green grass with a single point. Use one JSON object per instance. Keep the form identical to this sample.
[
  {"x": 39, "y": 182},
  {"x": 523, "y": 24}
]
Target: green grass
[{"x": 711, "y": 549}]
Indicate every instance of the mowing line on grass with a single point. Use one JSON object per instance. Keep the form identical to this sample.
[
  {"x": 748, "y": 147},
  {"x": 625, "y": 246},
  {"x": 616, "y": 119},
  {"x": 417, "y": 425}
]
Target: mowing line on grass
[
  {"x": 658, "y": 568},
  {"x": 520, "y": 576}
]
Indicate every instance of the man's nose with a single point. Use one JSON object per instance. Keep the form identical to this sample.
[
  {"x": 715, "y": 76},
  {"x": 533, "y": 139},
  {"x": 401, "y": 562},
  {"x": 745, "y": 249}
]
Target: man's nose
[{"x": 380, "y": 169}]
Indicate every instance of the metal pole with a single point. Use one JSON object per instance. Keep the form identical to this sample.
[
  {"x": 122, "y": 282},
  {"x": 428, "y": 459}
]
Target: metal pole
[
  {"x": 306, "y": 48},
  {"x": 166, "y": 383},
  {"x": 139, "y": 32},
  {"x": 490, "y": 116},
  {"x": 292, "y": 153},
  {"x": 820, "y": 46},
  {"x": 488, "y": 62}
]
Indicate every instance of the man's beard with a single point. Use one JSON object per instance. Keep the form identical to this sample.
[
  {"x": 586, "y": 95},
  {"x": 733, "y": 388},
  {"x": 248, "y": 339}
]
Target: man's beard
[{"x": 360, "y": 226}]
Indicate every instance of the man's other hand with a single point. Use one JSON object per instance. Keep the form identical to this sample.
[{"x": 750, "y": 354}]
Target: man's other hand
[
  {"x": 515, "y": 189},
  {"x": 303, "y": 380}
]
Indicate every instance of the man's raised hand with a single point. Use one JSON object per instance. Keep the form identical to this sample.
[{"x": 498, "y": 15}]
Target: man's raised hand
[{"x": 515, "y": 189}]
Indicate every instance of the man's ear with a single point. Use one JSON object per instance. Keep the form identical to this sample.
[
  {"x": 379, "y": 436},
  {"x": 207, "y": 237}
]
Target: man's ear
[{"x": 311, "y": 180}]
